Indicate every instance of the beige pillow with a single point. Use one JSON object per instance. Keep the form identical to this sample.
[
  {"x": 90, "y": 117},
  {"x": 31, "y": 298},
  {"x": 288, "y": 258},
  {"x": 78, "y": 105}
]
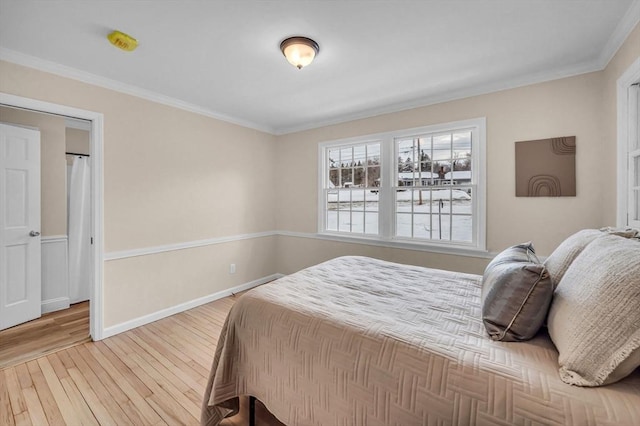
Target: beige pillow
[
  {"x": 516, "y": 293},
  {"x": 560, "y": 260},
  {"x": 594, "y": 319},
  {"x": 562, "y": 257}
]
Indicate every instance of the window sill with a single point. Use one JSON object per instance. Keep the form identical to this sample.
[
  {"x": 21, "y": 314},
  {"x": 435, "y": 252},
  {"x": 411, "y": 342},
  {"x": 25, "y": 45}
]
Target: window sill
[{"x": 399, "y": 244}]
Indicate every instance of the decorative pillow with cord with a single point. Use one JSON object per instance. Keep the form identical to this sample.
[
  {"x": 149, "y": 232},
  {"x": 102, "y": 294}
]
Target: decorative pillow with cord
[{"x": 516, "y": 293}]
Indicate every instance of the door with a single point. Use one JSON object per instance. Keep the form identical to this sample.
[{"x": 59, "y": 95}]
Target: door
[
  {"x": 633, "y": 203},
  {"x": 20, "y": 291}
]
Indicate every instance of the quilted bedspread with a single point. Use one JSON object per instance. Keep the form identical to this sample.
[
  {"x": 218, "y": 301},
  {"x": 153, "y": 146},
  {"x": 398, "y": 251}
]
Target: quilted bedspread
[{"x": 359, "y": 341}]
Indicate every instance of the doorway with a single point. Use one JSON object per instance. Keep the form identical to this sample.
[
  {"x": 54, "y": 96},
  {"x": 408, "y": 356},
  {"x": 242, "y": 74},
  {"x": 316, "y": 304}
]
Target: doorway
[
  {"x": 45, "y": 228},
  {"x": 96, "y": 252}
]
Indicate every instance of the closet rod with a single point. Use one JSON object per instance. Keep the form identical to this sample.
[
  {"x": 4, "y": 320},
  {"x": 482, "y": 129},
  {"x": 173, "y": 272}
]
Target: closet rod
[{"x": 76, "y": 153}]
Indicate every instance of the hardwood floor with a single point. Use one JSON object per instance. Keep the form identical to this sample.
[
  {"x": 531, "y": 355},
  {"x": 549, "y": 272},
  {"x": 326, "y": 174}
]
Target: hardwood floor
[
  {"x": 153, "y": 375},
  {"x": 52, "y": 332}
]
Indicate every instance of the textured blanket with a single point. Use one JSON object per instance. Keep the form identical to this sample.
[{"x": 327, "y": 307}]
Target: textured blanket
[{"x": 358, "y": 341}]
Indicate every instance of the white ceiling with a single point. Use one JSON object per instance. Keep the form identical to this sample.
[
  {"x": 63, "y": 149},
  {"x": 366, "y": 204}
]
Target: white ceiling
[{"x": 222, "y": 58}]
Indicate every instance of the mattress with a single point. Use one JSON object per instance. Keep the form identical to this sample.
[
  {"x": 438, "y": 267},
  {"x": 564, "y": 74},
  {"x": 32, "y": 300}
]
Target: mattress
[{"x": 360, "y": 341}]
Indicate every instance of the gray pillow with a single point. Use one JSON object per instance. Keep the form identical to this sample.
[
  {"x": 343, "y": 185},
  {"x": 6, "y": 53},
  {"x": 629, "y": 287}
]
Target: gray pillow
[
  {"x": 594, "y": 319},
  {"x": 516, "y": 293}
]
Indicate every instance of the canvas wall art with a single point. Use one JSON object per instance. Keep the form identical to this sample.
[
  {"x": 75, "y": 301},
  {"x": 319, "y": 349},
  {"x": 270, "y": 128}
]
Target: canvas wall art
[{"x": 546, "y": 167}]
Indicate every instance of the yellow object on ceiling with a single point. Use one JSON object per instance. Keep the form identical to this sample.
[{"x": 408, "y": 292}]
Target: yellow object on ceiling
[{"x": 123, "y": 41}]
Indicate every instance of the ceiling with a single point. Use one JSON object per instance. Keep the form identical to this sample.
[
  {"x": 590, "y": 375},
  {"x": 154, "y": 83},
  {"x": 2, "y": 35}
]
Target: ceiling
[{"x": 222, "y": 58}]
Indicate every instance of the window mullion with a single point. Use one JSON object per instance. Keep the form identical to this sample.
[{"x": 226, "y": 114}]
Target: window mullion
[{"x": 386, "y": 208}]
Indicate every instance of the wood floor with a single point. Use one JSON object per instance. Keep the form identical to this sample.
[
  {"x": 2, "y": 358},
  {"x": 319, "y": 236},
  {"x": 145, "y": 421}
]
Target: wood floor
[
  {"x": 49, "y": 333},
  {"x": 153, "y": 375}
]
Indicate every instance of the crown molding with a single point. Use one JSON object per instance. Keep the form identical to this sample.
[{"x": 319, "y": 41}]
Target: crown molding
[
  {"x": 96, "y": 80},
  {"x": 628, "y": 22},
  {"x": 467, "y": 92}
]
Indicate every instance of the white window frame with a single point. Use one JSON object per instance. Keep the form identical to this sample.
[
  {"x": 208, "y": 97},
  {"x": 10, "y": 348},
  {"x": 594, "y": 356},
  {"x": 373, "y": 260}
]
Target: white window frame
[
  {"x": 627, "y": 129},
  {"x": 386, "y": 210}
]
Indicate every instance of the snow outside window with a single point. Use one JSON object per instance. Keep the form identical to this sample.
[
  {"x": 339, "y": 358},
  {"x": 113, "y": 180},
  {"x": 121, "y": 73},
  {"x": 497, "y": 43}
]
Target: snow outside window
[{"x": 418, "y": 186}]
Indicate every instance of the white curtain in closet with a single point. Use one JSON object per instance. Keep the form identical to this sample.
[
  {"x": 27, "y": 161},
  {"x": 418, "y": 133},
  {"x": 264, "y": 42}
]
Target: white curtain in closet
[{"x": 79, "y": 231}]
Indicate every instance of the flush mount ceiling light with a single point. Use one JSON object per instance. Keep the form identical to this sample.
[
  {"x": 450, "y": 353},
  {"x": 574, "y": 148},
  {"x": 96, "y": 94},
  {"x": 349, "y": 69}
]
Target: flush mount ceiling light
[{"x": 299, "y": 51}]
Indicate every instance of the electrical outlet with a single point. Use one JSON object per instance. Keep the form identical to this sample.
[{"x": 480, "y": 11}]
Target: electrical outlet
[{"x": 232, "y": 268}]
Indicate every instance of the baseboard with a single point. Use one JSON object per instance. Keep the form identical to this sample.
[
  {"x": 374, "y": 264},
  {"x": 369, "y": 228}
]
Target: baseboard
[
  {"x": 56, "y": 304},
  {"x": 146, "y": 319}
]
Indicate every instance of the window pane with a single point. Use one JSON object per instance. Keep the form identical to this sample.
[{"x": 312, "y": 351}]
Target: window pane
[
  {"x": 332, "y": 220},
  {"x": 357, "y": 200},
  {"x": 462, "y": 140},
  {"x": 440, "y": 223},
  {"x": 346, "y": 157},
  {"x": 344, "y": 199},
  {"x": 346, "y": 178},
  {"x": 442, "y": 154},
  {"x": 373, "y": 176},
  {"x": 403, "y": 225},
  {"x": 359, "y": 155},
  {"x": 334, "y": 158},
  {"x": 357, "y": 222},
  {"x": 462, "y": 201},
  {"x": 344, "y": 221},
  {"x": 422, "y": 226},
  {"x": 373, "y": 154},
  {"x": 359, "y": 176},
  {"x": 636, "y": 171},
  {"x": 372, "y": 202},
  {"x": 371, "y": 223},
  {"x": 334, "y": 178},
  {"x": 462, "y": 228},
  {"x": 332, "y": 200}
]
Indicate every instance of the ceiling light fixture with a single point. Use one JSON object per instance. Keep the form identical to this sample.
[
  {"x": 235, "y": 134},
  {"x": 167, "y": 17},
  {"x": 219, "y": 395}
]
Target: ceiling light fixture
[{"x": 299, "y": 51}]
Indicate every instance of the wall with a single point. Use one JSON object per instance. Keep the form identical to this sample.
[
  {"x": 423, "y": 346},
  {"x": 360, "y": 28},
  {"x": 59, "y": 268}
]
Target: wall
[
  {"x": 78, "y": 141},
  {"x": 170, "y": 177},
  {"x": 566, "y": 107},
  {"x": 53, "y": 166}
]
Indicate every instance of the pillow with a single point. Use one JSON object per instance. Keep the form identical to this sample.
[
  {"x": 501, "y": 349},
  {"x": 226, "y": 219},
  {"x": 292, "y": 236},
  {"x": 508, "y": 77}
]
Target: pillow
[
  {"x": 594, "y": 319},
  {"x": 560, "y": 260},
  {"x": 516, "y": 293}
]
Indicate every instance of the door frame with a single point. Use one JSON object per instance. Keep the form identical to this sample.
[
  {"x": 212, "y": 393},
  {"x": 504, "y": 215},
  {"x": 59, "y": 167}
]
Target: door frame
[
  {"x": 630, "y": 76},
  {"x": 96, "y": 303}
]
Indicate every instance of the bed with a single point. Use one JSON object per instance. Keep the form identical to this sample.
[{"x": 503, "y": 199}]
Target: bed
[{"x": 360, "y": 341}]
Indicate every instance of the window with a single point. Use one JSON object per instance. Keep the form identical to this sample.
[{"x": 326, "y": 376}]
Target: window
[
  {"x": 351, "y": 192},
  {"x": 418, "y": 186}
]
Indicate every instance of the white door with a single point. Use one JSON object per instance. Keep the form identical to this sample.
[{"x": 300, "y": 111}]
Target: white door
[
  {"x": 633, "y": 218},
  {"x": 20, "y": 291}
]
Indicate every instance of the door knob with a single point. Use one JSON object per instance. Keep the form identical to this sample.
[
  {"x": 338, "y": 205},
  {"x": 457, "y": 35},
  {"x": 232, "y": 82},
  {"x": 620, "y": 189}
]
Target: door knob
[{"x": 34, "y": 233}]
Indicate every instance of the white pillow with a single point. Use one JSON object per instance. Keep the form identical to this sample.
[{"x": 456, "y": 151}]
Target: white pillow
[{"x": 594, "y": 319}]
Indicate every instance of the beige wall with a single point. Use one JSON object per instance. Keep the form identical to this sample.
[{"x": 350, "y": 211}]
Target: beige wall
[
  {"x": 53, "y": 166},
  {"x": 295, "y": 253},
  {"x": 170, "y": 176},
  {"x": 182, "y": 275},
  {"x": 567, "y": 107},
  {"x": 78, "y": 141}
]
